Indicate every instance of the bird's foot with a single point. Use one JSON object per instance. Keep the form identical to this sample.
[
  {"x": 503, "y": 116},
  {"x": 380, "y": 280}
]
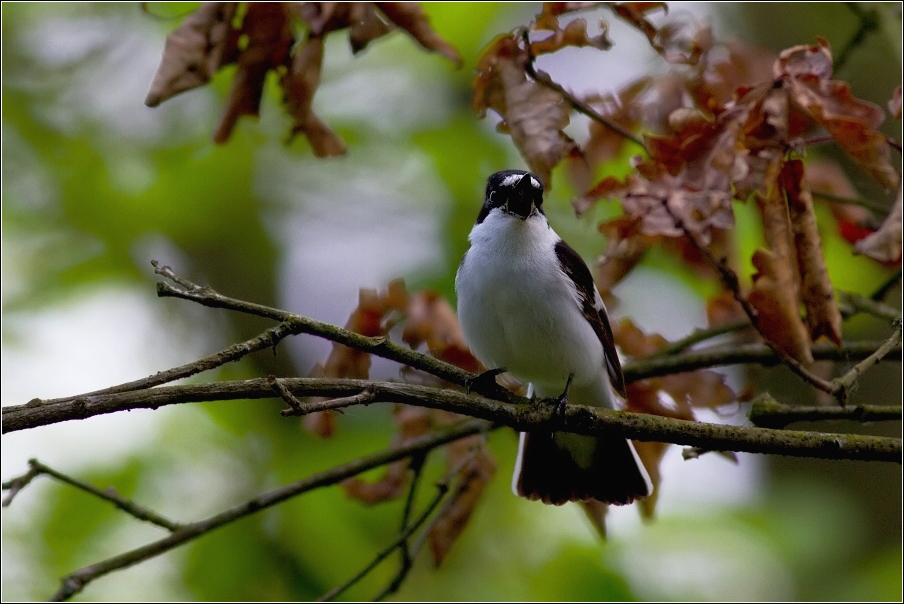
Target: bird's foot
[
  {"x": 484, "y": 382},
  {"x": 560, "y": 402}
]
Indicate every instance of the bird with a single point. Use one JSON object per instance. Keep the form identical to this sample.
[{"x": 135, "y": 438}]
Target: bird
[{"x": 527, "y": 305}]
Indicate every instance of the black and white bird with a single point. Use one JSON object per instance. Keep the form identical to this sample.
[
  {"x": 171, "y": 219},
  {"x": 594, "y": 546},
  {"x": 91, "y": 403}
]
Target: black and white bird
[{"x": 527, "y": 303}]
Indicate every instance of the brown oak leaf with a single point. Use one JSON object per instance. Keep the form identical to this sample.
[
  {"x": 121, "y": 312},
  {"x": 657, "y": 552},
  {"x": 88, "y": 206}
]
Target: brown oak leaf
[
  {"x": 475, "y": 469},
  {"x": 885, "y": 244},
  {"x": 203, "y": 43},
  {"x": 806, "y": 70},
  {"x": 533, "y": 113},
  {"x": 817, "y": 294}
]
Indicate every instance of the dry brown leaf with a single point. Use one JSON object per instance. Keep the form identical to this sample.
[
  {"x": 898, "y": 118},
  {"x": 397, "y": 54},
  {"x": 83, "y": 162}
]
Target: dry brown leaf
[
  {"x": 774, "y": 296},
  {"x": 367, "y": 28},
  {"x": 680, "y": 42},
  {"x": 817, "y": 294},
  {"x": 723, "y": 309},
  {"x": 722, "y": 73},
  {"x": 269, "y": 34},
  {"x": 299, "y": 84},
  {"x": 476, "y": 468},
  {"x": 696, "y": 389},
  {"x": 668, "y": 206},
  {"x": 635, "y": 14},
  {"x": 534, "y": 114},
  {"x": 683, "y": 41},
  {"x": 412, "y": 18},
  {"x": 412, "y": 423},
  {"x": 391, "y": 486},
  {"x": 775, "y": 292},
  {"x": 346, "y": 362},
  {"x": 651, "y": 454},
  {"x": 573, "y": 34},
  {"x": 195, "y": 51},
  {"x": 596, "y": 512},
  {"x": 432, "y": 321},
  {"x": 607, "y": 188},
  {"x": 885, "y": 244},
  {"x": 852, "y": 122},
  {"x": 626, "y": 246}
]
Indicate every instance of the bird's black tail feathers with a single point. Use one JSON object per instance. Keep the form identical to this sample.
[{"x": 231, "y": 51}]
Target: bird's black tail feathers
[{"x": 555, "y": 467}]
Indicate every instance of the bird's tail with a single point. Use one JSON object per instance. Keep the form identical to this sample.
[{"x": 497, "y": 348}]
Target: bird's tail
[{"x": 557, "y": 467}]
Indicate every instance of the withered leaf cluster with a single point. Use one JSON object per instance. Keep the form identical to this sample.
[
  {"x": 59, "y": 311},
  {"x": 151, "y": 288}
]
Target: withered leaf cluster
[
  {"x": 731, "y": 124},
  {"x": 728, "y": 127},
  {"x": 427, "y": 322},
  {"x": 286, "y": 38}
]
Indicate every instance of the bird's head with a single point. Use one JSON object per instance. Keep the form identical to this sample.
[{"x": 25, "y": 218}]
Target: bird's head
[{"x": 515, "y": 192}]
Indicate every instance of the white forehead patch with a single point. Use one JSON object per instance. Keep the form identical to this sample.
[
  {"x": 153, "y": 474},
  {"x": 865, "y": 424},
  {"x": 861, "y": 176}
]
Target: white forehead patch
[{"x": 513, "y": 178}]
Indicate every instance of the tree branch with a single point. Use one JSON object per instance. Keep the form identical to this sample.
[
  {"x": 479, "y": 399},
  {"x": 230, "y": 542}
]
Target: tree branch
[
  {"x": 74, "y": 582},
  {"x": 36, "y": 468},
  {"x": 523, "y": 416},
  {"x": 36, "y": 413},
  {"x": 380, "y": 346},
  {"x": 268, "y": 339},
  {"x": 766, "y": 412},
  {"x": 844, "y": 383}
]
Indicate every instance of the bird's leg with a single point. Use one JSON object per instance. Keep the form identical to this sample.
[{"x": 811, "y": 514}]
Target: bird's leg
[
  {"x": 484, "y": 382},
  {"x": 561, "y": 401}
]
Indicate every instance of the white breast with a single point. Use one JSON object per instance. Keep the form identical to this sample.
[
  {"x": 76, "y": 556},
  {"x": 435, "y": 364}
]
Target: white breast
[{"x": 518, "y": 310}]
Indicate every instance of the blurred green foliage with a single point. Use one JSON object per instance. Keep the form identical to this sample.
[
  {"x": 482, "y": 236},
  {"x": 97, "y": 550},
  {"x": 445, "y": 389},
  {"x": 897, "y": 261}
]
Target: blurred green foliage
[{"x": 94, "y": 183}]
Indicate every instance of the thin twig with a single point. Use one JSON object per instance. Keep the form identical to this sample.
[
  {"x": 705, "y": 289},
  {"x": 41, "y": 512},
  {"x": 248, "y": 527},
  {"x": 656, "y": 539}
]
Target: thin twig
[
  {"x": 126, "y": 505},
  {"x": 700, "y": 335},
  {"x": 365, "y": 397},
  {"x": 402, "y": 541},
  {"x": 416, "y": 466},
  {"x": 866, "y": 305},
  {"x": 18, "y": 483},
  {"x": 74, "y": 582},
  {"x": 267, "y": 339},
  {"x": 855, "y": 302},
  {"x": 883, "y": 289},
  {"x": 844, "y": 383},
  {"x": 869, "y": 22},
  {"x": 412, "y": 552},
  {"x": 869, "y": 204},
  {"x": 380, "y": 346},
  {"x": 579, "y": 105},
  {"x": 766, "y": 412}
]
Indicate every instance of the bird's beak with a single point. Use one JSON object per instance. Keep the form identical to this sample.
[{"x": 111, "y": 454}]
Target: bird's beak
[{"x": 521, "y": 202}]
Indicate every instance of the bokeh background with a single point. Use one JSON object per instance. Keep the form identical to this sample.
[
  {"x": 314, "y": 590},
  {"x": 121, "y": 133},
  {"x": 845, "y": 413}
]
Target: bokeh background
[{"x": 95, "y": 185}]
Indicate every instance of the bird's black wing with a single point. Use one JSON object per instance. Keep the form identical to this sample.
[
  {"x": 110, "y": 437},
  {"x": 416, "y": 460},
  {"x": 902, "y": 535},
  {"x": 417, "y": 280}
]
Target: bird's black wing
[{"x": 593, "y": 309}]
